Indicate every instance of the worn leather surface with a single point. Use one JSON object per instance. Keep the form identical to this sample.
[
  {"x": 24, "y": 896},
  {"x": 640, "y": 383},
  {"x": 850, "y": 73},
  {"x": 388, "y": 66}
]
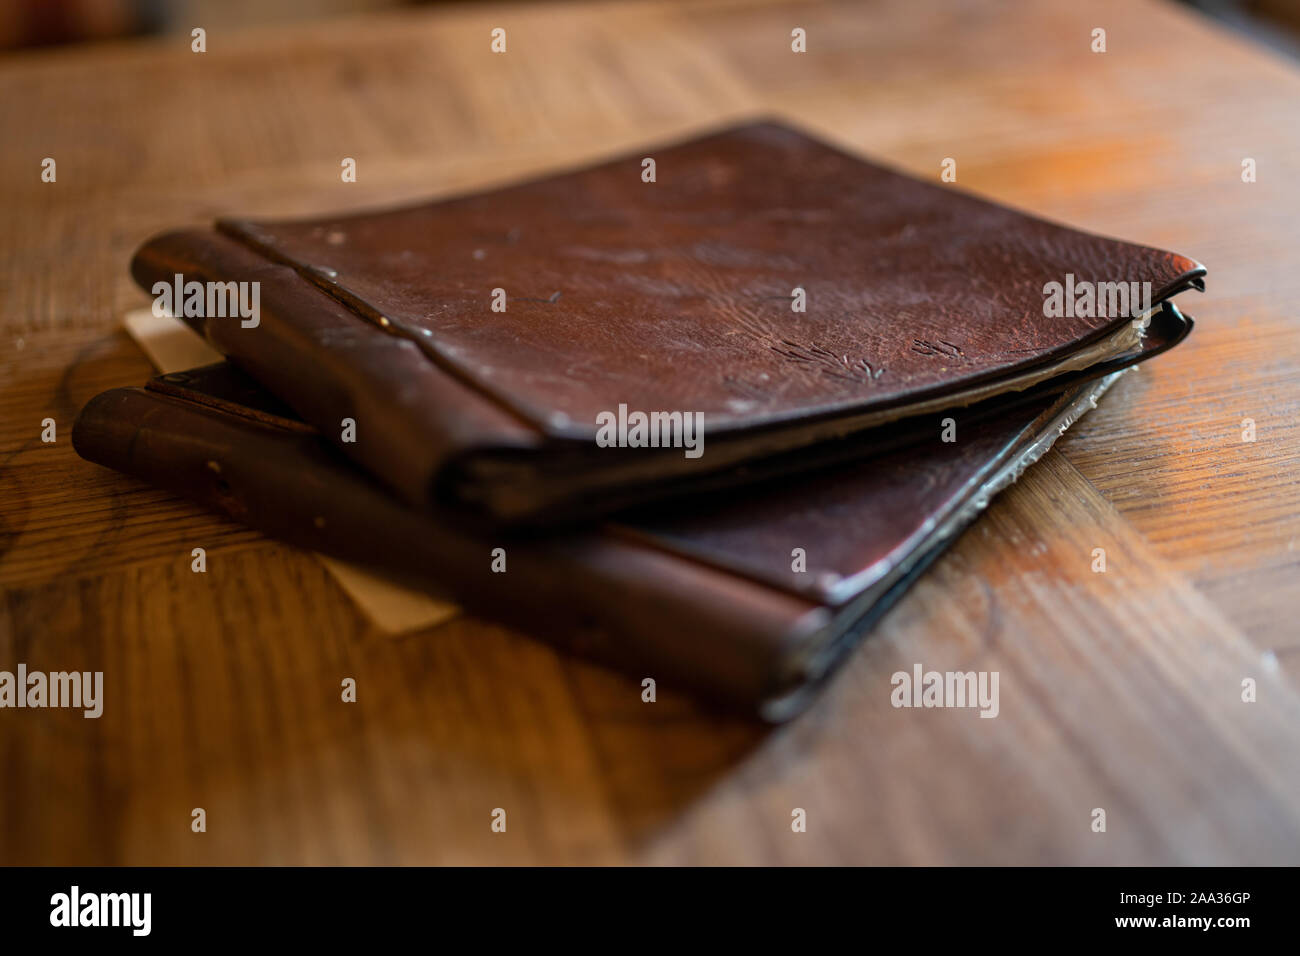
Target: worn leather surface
[
  {"x": 701, "y": 595},
  {"x": 664, "y": 296},
  {"x": 677, "y": 294}
]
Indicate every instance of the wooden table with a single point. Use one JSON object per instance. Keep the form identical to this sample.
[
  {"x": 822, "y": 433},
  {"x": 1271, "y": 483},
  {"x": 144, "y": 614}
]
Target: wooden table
[{"x": 1120, "y": 690}]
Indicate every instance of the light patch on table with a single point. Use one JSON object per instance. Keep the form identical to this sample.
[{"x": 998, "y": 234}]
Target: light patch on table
[
  {"x": 172, "y": 346},
  {"x": 390, "y": 607}
]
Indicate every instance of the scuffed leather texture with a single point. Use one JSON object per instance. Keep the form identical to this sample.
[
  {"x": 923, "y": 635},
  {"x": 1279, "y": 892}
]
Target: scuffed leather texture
[
  {"x": 702, "y": 596},
  {"x": 676, "y": 294}
]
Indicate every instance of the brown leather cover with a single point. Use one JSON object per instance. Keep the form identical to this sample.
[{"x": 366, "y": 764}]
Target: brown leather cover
[
  {"x": 672, "y": 295},
  {"x": 700, "y": 594}
]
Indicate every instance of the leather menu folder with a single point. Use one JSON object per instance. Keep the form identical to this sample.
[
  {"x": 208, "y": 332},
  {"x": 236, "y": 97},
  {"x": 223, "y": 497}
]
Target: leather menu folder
[
  {"x": 780, "y": 293},
  {"x": 749, "y": 599}
]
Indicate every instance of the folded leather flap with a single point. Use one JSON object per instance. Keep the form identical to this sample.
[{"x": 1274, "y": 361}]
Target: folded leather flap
[{"x": 332, "y": 366}]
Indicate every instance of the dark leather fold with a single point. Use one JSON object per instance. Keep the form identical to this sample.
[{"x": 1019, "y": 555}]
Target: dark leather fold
[{"x": 317, "y": 356}]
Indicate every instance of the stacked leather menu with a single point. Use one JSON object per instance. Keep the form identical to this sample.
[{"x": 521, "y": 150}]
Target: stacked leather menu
[
  {"x": 703, "y": 596},
  {"x": 671, "y": 296},
  {"x": 828, "y": 321}
]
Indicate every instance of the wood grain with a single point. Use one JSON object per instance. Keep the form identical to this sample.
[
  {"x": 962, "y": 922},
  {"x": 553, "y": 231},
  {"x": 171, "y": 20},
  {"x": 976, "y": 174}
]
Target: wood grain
[{"x": 1119, "y": 690}]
